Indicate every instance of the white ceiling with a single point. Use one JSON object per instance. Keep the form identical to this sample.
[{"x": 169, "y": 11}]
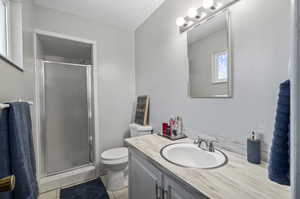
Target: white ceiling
[{"x": 124, "y": 14}]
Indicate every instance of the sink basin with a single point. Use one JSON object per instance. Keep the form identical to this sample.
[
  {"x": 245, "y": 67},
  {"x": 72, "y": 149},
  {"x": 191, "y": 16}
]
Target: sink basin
[{"x": 191, "y": 156}]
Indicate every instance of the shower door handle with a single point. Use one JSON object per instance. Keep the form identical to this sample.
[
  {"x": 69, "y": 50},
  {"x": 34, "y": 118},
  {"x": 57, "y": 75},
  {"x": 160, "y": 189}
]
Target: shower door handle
[{"x": 91, "y": 143}]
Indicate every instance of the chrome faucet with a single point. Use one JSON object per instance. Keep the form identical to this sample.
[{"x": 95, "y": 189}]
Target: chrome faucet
[
  {"x": 199, "y": 142},
  {"x": 209, "y": 145}
]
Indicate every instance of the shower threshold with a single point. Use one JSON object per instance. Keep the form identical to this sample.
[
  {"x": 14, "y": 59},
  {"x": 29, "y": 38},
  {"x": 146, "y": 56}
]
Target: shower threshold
[
  {"x": 67, "y": 178},
  {"x": 49, "y": 174}
]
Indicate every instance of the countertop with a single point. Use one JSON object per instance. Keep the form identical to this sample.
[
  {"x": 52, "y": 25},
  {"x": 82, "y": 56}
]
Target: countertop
[{"x": 238, "y": 179}]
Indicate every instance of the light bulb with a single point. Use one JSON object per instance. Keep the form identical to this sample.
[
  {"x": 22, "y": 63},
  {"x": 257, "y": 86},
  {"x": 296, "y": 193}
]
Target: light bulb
[
  {"x": 192, "y": 12},
  {"x": 203, "y": 15},
  {"x": 207, "y": 4},
  {"x": 190, "y": 23},
  {"x": 219, "y": 5},
  {"x": 180, "y": 21}
]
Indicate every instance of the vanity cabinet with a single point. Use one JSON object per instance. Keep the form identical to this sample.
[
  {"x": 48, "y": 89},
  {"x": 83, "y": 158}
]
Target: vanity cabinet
[
  {"x": 144, "y": 180},
  {"x": 147, "y": 181},
  {"x": 173, "y": 190}
]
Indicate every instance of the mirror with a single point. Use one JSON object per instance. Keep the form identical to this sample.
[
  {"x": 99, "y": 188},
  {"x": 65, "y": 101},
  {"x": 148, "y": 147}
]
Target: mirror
[
  {"x": 209, "y": 55},
  {"x": 11, "y": 35}
]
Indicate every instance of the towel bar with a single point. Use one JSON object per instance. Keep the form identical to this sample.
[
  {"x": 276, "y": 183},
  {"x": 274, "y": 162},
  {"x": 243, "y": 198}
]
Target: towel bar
[{"x": 3, "y": 106}]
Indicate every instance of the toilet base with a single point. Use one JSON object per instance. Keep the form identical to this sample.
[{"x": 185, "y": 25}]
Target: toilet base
[{"x": 117, "y": 180}]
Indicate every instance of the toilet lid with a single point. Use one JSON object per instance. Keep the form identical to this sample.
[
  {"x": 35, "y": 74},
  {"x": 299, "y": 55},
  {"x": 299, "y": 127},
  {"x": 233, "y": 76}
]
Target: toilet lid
[{"x": 116, "y": 153}]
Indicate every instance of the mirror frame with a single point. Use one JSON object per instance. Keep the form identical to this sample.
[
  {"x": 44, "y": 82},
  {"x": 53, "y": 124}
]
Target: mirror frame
[{"x": 230, "y": 57}]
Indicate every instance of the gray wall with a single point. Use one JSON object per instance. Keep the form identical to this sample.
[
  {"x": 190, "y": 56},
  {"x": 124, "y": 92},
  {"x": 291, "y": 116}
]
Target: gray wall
[
  {"x": 115, "y": 62},
  {"x": 295, "y": 99},
  {"x": 200, "y": 62},
  {"x": 115, "y": 58},
  {"x": 260, "y": 50},
  {"x": 13, "y": 83}
]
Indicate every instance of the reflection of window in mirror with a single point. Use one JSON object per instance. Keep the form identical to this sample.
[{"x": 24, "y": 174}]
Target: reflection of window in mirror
[
  {"x": 220, "y": 67},
  {"x": 3, "y": 27}
]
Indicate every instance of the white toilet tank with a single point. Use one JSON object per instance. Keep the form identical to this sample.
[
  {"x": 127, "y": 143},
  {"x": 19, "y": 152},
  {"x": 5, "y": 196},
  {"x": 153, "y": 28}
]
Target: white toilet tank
[{"x": 139, "y": 130}]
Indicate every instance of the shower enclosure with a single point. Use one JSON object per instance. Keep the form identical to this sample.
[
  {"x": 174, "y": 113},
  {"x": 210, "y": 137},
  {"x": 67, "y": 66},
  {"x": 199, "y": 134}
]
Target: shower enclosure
[
  {"x": 66, "y": 111},
  {"x": 66, "y": 116}
]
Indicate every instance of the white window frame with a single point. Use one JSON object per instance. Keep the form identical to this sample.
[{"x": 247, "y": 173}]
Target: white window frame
[
  {"x": 6, "y": 4},
  {"x": 215, "y": 79}
]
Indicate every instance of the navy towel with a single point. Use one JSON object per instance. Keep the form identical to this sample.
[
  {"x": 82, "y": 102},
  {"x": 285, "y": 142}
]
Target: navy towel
[
  {"x": 4, "y": 150},
  {"x": 279, "y": 165},
  {"x": 18, "y": 150}
]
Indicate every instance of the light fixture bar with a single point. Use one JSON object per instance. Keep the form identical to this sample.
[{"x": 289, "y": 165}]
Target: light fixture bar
[{"x": 191, "y": 22}]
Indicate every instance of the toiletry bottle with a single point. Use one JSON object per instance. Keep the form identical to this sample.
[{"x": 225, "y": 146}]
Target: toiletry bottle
[
  {"x": 165, "y": 129},
  {"x": 179, "y": 125},
  {"x": 171, "y": 123},
  {"x": 168, "y": 131},
  {"x": 253, "y": 149}
]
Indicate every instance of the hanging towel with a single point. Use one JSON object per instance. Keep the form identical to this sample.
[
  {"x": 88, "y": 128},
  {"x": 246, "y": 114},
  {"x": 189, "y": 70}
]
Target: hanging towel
[
  {"x": 4, "y": 151},
  {"x": 22, "y": 158},
  {"x": 279, "y": 164}
]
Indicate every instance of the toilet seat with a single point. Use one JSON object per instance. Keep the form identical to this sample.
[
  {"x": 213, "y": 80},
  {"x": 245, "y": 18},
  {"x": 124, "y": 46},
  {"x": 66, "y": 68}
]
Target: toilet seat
[{"x": 115, "y": 156}]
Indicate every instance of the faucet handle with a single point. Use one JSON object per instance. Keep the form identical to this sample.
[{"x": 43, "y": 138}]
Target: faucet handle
[
  {"x": 211, "y": 146},
  {"x": 197, "y": 140}
]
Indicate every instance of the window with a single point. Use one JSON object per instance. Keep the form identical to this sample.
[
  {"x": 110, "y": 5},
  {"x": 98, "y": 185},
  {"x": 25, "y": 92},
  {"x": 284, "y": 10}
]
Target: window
[
  {"x": 3, "y": 27},
  {"x": 220, "y": 67}
]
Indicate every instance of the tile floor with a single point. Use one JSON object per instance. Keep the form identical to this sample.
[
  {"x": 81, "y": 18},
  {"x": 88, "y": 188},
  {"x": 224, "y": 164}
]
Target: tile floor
[{"x": 122, "y": 194}]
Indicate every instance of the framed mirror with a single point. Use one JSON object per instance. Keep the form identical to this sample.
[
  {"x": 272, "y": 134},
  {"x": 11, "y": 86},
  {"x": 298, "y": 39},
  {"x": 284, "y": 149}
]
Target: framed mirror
[{"x": 209, "y": 57}]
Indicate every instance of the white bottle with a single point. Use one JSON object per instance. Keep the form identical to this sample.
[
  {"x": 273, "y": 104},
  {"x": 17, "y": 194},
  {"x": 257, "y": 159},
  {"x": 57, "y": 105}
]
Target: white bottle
[{"x": 179, "y": 125}]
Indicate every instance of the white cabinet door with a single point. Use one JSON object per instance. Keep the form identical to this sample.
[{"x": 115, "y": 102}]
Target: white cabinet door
[
  {"x": 144, "y": 179},
  {"x": 173, "y": 190}
]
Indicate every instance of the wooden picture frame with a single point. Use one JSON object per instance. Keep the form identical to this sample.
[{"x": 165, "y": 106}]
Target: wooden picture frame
[{"x": 142, "y": 110}]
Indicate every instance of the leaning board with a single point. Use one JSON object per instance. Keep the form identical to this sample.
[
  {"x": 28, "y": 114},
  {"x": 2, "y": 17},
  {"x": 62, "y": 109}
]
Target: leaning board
[{"x": 142, "y": 110}]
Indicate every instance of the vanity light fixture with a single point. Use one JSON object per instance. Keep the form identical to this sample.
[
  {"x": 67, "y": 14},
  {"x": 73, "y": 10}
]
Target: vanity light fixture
[
  {"x": 203, "y": 15},
  {"x": 196, "y": 16},
  {"x": 208, "y": 4},
  {"x": 190, "y": 23},
  {"x": 181, "y": 22},
  {"x": 219, "y": 5},
  {"x": 193, "y": 13}
]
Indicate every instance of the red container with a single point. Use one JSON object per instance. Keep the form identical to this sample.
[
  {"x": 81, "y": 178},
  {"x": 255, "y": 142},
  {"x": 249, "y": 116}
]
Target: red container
[{"x": 165, "y": 128}]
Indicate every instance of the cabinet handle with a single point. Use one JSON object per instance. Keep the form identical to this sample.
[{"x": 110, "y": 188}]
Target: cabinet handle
[
  {"x": 165, "y": 194},
  {"x": 157, "y": 191}
]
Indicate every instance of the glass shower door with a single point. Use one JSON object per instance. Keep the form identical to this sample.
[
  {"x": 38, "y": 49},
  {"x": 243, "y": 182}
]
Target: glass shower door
[{"x": 66, "y": 118}]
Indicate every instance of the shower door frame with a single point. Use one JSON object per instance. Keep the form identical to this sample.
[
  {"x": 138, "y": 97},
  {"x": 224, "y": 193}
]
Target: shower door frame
[
  {"x": 90, "y": 115},
  {"x": 89, "y": 172}
]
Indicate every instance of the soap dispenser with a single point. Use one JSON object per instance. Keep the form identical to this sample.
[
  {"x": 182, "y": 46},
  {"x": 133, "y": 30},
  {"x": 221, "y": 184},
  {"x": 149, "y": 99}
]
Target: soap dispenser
[{"x": 253, "y": 149}]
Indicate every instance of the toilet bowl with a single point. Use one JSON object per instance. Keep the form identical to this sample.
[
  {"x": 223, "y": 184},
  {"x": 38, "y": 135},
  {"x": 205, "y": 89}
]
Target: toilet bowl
[{"x": 116, "y": 160}]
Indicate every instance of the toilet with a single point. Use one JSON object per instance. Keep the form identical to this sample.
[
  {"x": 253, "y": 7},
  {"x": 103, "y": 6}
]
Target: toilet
[{"x": 116, "y": 160}]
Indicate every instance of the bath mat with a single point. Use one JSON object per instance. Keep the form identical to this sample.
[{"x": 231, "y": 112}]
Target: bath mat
[{"x": 90, "y": 190}]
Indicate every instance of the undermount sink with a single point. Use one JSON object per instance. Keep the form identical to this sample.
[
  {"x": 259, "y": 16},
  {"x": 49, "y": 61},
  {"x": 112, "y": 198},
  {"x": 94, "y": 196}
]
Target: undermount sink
[{"x": 191, "y": 156}]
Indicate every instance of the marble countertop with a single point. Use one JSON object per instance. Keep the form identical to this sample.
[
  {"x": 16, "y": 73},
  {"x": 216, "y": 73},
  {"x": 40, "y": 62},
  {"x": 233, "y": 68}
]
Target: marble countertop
[{"x": 238, "y": 179}]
